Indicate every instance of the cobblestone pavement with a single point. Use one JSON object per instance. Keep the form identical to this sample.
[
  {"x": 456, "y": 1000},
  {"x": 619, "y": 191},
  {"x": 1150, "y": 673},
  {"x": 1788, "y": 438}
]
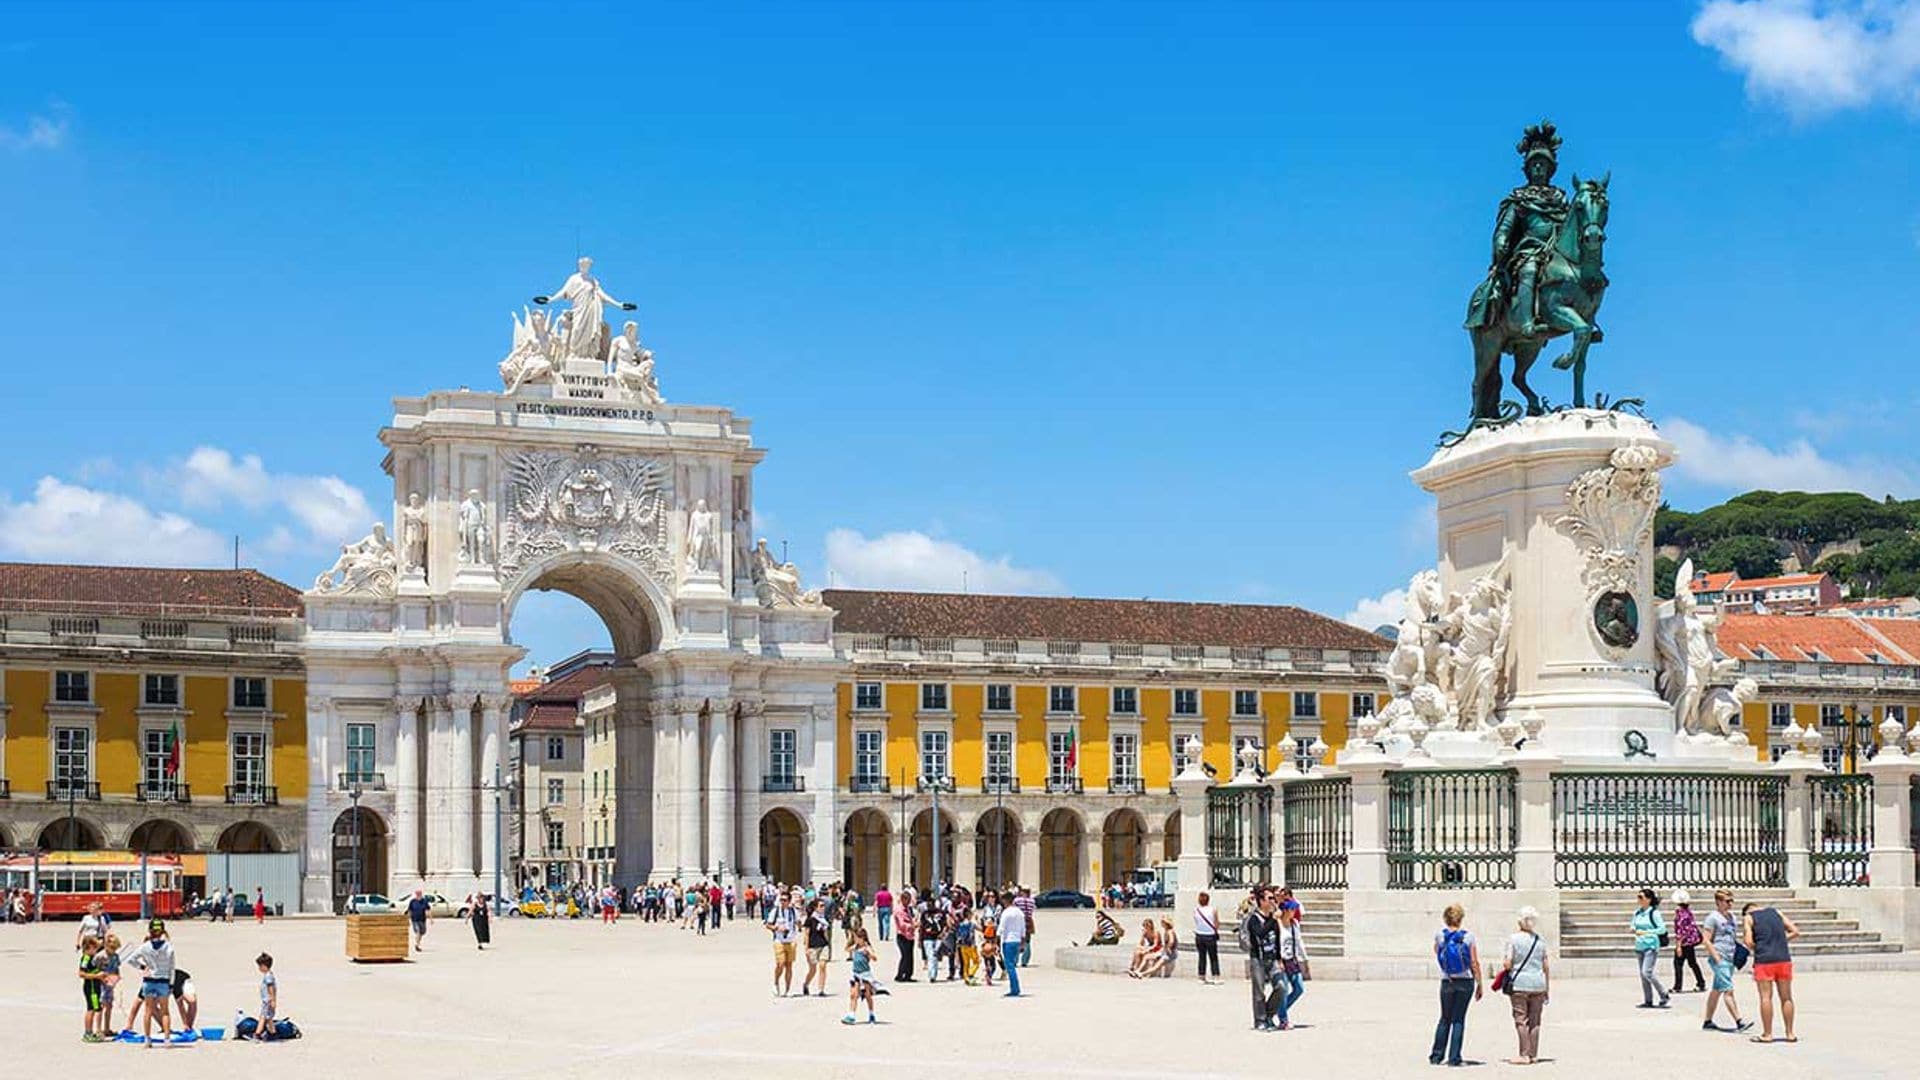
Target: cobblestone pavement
[{"x": 576, "y": 999}]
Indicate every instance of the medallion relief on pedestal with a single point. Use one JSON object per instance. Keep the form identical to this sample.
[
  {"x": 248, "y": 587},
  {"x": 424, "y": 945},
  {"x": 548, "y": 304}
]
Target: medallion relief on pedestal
[{"x": 1609, "y": 516}]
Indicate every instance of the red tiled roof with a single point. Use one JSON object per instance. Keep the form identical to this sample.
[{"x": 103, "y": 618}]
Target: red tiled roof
[
  {"x": 572, "y": 686},
  {"x": 1714, "y": 583},
  {"x": 1838, "y": 641},
  {"x": 1781, "y": 582},
  {"x": 144, "y": 590},
  {"x": 1059, "y": 618},
  {"x": 551, "y": 716}
]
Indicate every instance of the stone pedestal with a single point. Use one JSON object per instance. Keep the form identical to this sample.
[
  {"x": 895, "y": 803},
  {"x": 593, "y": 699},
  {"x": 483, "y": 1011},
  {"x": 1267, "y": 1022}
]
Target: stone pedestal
[
  {"x": 1890, "y": 863},
  {"x": 1194, "y": 871},
  {"x": 1504, "y": 494}
]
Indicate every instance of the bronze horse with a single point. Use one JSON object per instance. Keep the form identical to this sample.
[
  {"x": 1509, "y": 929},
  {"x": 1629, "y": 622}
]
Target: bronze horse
[{"x": 1570, "y": 288}]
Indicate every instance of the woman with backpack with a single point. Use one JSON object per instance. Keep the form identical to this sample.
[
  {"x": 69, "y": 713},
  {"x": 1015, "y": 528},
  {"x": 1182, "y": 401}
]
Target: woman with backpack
[
  {"x": 1524, "y": 979},
  {"x": 1458, "y": 955},
  {"x": 1649, "y": 933},
  {"x": 1686, "y": 938}
]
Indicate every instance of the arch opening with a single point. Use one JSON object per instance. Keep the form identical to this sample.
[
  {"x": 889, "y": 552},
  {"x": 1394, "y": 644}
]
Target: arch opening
[
  {"x": 864, "y": 850},
  {"x": 1171, "y": 844},
  {"x": 1123, "y": 846},
  {"x": 359, "y": 855},
  {"x": 783, "y": 847},
  {"x": 1062, "y": 845},
  {"x": 923, "y": 866},
  {"x": 70, "y": 834},
  {"x": 996, "y": 848},
  {"x": 159, "y": 836},
  {"x": 247, "y": 838}
]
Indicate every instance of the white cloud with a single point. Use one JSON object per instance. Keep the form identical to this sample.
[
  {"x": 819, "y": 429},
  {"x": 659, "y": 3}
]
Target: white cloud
[
  {"x": 1741, "y": 463},
  {"x": 914, "y": 560},
  {"x": 42, "y": 131},
  {"x": 1373, "y": 612},
  {"x": 329, "y": 508},
  {"x": 1818, "y": 56},
  {"x": 67, "y": 523}
]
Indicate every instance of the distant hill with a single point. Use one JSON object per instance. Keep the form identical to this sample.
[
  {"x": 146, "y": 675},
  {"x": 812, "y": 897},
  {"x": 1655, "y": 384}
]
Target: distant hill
[{"x": 1872, "y": 548}]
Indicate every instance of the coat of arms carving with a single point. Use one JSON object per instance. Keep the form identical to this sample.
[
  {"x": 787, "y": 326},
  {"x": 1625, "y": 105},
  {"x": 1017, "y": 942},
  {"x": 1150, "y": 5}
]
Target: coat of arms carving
[{"x": 585, "y": 501}]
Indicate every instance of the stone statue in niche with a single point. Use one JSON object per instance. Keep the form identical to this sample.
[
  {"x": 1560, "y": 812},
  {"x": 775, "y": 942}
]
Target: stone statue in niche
[
  {"x": 703, "y": 545},
  {"x": 742, "y": 543},
  {"x": 366, "y": 566},
  {"x": 777, "y": 584},
  {"x": 1689, "y": 658},
  {"x": 413, "y": 534},
  {"x": 474, "y": 542}
]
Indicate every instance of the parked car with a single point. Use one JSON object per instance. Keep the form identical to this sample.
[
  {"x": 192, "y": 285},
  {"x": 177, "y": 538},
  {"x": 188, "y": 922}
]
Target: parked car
[
  {"x": 370, "y": 904},
  {"x": 1063, "y": 898}
]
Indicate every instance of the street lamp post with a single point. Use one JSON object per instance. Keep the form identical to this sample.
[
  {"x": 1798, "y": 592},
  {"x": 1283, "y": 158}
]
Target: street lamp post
[
  {"x": 359, "y": 854},
  {"x": 1859, "y": 729},
  {"x": 501, "y": 782},
  {"x": 902, "y": 798}
]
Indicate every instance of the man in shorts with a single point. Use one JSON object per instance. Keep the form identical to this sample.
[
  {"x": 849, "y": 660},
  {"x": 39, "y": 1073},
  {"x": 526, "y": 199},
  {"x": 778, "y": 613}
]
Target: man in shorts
[
  {"x": 1765, "y": 932},
  {"x": 783, "y": 921},
  {"x": 417, "y": 909}
]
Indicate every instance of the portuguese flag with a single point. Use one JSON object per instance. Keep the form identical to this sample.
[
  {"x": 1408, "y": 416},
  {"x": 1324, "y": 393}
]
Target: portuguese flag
[
  {"x": 1073, "y": 750},
  {"x": 173, "y": 750}
]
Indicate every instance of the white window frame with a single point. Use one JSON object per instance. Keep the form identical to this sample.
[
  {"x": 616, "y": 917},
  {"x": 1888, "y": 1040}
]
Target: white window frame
[
  {"x": 1173, "y": 705},
  {"x": 1246, "y": 714},
  {"x": 556, "y": 829},
  {"x": 54, "y": 688},
  {"x": 1312, "y": 699},
  {"x": 1832, "y": 716},
  {"x": 987, "y": 772},
  {"x": 179, "y": 690},
  {"x": 879, "y": 703},
  {"x": 945, "y": 694},
  {"x": 266, "y": 693},
  {"x": 987, "y": 694},
  {"x": 878, "y": 754},
  {"x": 153, "y": 769},
  {"x": 57, "y": 725},
  {"x": 1071, "y": 694},
  {"x": 1054, "y": 733},
  {"x": 1130, "y": 707},
  {"x": 1124, "y": 755},
  {"x": 775, "y": 753},
  {"x": 371, "y": 750},
  {"x": 1779, "y": 715},
  {"x": 556, "y": 791},
  {"x": 1179, "y": 735},
  {"x": 238, "y": 732},
  {"x": 556, "y": 748},
  {"x": 941, "y": 756},
  {"x": 1363, "y": 703}
]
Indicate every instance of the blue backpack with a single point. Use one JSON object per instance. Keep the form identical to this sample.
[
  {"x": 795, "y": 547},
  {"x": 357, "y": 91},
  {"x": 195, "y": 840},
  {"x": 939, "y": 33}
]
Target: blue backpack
[{"x": 1455, "y": 959}]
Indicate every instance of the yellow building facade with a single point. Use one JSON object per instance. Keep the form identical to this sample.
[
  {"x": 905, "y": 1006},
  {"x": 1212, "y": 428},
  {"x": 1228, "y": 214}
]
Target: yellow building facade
[
  {"x": 1049, "y": 730},
  {"x": 103, "y": 670}
]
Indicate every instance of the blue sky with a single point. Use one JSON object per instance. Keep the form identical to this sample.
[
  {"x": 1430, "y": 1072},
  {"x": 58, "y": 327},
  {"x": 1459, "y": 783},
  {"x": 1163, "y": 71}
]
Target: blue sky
[{"x": 1109, "y": 299}]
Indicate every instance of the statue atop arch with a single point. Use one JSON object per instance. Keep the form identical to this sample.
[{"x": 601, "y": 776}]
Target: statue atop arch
[{"x": 574, "y": 349}]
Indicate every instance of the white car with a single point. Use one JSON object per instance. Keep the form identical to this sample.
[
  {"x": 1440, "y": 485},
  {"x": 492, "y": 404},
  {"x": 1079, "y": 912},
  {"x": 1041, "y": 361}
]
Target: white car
[{"x": 370, "y": 904}]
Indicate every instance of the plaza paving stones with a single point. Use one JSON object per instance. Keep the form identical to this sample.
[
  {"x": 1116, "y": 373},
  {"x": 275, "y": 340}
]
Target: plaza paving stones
[{"x": 574, "y": 999}]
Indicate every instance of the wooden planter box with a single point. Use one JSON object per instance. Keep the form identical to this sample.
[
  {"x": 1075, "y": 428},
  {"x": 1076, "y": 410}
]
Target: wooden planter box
[{"x": 376, "y": 938}]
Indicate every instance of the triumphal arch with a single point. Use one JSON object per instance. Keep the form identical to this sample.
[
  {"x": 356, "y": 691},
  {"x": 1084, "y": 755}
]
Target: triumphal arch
[{"x": 575, "y": 475}]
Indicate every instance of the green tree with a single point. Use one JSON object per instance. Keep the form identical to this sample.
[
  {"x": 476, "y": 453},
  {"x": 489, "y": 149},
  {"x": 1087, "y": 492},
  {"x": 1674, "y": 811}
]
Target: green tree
[
  {"x": 1748, "y": 556},
  {"x": 1664, "y": 570}
]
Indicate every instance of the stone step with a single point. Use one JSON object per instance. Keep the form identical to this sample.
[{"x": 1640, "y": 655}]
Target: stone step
[
  {"x": 1810, "y": 937},
  {"x": 1800, "y": 948}
]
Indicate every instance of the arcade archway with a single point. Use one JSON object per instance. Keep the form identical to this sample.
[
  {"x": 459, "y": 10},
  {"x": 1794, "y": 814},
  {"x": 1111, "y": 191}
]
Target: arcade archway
[
  {"x": 247, "y": 838},
  {"x": 359, "y": 855},
  {"x": 159, "y": 836},
  {"x": 921, "y": 839},
  {"x": 1061, "y": 838},
  {"x": 864, "y": 851},
  {"x": 1173, "y": 839},
  {"x": 70, "y": 834},
  {"x": 1123, "y": 845},
  {"x": 783, "y": 847},
  {"x": 997, "y": 848}
]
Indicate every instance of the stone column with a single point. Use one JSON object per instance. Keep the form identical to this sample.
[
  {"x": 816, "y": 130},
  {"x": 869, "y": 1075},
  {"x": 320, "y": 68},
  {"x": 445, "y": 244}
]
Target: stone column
[
  {"x": 824, "y": 832},
  {"x": 636, "y": 787},
  {"x": 750, "y": 747},
  {"x": 1533, "y": 857},
  {"x": 688, "y": 853},
  {"x": 405, "y": 786},
  {"x": 666, "y": 788},
  {"x": 1029, "y": 852},
  {"x": 1367, "y": 859},
  {"x": 1797, "y": 768},
  {"x": 492, "y": 788},
  {"x": 317, "y": 888},
  {"x": 462, "y": 790},
  {"x": 721, "y": 792},
  {"x": 965, "y": 853},
  {"x": 435, "y": 804},
  {"x": 1890, "y": 863},
  {"x": 1193, "y": 867}
]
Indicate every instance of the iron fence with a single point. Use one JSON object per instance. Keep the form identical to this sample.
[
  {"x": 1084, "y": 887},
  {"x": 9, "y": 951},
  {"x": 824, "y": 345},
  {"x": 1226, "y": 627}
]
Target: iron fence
[
  {"x": 1840, "y": 829},
  {"x": 1316, "y": 831},
  {"x": 1452, "y": 828},
  {"x": 1240, "y": 835},
  {"x": 1625, "y": 829}
]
